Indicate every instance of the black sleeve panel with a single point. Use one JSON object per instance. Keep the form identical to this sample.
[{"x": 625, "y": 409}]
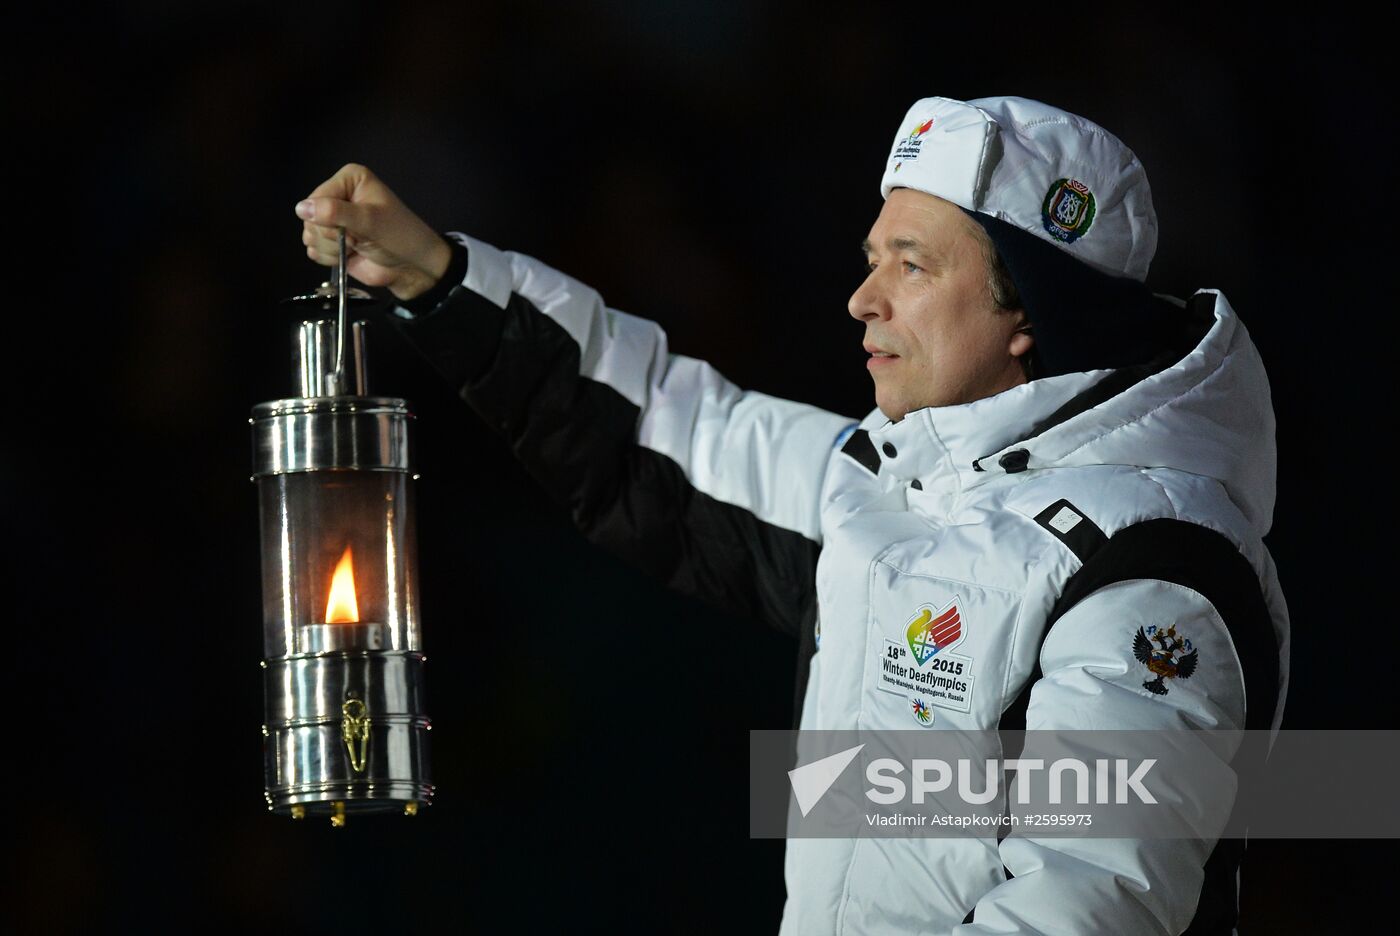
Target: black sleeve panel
[
  {"x": 1206, "y": 562},
  {"x": 459, "y": 337},
  {"x": 1197, "y": 558},
  {"x": 519, "y": 369}
]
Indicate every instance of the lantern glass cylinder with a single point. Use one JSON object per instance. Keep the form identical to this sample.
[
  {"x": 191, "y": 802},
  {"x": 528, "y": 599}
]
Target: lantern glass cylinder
[{"x": 339, "y": 570}]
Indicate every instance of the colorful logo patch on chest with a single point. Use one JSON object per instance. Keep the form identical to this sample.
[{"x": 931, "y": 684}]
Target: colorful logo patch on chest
[
  {"x": 1172, "y": 657},
  {"x": 917, "y": 661},
  {"x": 1068, "y": 210},
  {"x": 932, "y": 630}
]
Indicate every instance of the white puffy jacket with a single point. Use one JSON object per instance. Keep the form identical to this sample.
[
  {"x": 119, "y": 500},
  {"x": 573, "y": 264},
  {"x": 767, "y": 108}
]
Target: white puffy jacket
[{"x": 1059, "y": 517}]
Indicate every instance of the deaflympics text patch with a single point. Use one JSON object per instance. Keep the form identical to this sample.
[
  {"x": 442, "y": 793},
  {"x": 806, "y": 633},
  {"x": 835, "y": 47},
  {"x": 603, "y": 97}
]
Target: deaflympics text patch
[
  {"x": 921, "y": 668},
  {"x": 912, "y": 145}
]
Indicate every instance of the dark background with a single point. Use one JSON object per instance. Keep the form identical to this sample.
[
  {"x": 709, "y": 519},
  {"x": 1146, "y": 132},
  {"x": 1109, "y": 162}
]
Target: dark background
[{"x": 712, "y": 167}]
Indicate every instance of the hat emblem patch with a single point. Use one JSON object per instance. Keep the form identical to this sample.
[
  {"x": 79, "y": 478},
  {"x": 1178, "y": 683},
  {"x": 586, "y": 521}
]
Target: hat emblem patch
[
  {"x": 913, "y": 144},
  {"x": 1068, "y": 210}
]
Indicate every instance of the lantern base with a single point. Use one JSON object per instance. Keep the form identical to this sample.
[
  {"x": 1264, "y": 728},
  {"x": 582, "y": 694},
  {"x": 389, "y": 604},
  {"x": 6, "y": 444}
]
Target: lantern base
[
  {"x": 313, "y": 766},
  {"x": 346, "y": 728}
]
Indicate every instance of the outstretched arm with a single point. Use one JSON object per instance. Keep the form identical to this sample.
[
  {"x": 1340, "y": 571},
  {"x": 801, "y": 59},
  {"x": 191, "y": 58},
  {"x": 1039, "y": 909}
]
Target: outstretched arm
[{"x": 712, "y": 488}]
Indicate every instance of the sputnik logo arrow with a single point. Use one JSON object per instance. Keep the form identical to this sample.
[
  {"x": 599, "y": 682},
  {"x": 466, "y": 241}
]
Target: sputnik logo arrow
[{"x": 811, "y": 781}]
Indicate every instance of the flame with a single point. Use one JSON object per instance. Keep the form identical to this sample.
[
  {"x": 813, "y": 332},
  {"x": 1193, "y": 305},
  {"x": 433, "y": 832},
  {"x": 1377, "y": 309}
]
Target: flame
[{"x": 342, "y": 608}]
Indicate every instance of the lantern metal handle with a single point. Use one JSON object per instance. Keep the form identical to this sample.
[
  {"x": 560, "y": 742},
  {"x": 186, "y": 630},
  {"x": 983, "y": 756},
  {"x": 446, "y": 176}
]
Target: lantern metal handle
[{"x": 341, "y": 326}]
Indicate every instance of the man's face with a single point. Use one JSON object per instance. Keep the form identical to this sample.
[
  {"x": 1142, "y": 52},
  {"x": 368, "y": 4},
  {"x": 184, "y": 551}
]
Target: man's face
[{"x": 934, "y": 334}]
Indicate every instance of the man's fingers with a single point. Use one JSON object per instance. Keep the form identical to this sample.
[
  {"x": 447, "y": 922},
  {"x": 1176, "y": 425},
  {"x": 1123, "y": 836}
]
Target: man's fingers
[
  {"x": 324, "y": 239},
  {"x": 339, "y": 199},
  {"x": 333, "y": 213}
]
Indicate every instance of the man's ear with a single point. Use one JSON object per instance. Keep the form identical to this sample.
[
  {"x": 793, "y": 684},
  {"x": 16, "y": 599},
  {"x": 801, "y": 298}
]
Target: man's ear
[{"x": 1021, "y": 339}]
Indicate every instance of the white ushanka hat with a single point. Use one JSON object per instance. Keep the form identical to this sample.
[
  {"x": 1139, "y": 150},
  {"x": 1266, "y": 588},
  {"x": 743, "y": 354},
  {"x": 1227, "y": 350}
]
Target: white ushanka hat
[{"x": 1044, "y": 170}]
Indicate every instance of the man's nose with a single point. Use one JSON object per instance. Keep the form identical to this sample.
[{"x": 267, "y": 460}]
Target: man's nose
[{"x": 869, "y": 302}]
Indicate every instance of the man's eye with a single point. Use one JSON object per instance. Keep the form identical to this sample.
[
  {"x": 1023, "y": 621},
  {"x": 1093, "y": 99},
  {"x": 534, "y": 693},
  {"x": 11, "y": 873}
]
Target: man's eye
[
  {"x": 911, "y": 267},
  {"x": 869, "y": 267}
]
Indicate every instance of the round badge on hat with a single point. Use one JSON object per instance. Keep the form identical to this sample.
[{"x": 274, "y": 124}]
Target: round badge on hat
[{"x": 1068, "y": 210}]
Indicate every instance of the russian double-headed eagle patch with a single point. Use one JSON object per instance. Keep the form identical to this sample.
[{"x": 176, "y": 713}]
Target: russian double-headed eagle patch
[{"x": 1173, "y": 657}]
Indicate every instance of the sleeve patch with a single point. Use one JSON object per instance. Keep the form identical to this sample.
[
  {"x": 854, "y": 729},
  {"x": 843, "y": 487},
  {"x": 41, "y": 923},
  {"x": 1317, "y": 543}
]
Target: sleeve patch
[{"x": 1068, "y": 524}]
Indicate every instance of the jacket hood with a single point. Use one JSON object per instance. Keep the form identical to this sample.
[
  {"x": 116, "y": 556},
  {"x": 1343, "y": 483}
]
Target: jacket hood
[{"x": 1208, "y": 413}]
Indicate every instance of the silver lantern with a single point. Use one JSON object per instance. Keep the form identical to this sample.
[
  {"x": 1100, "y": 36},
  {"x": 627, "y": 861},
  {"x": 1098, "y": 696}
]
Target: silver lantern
[{"x": 346, "y": 725}]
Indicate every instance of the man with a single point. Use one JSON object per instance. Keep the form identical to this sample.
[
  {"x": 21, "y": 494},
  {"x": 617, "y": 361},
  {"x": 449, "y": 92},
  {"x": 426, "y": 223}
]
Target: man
[{"x": 1060, "y": 461}]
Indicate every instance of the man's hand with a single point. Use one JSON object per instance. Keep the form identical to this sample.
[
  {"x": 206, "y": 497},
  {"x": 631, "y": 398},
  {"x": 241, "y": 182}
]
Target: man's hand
[{"x": 386, "y": 243}]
